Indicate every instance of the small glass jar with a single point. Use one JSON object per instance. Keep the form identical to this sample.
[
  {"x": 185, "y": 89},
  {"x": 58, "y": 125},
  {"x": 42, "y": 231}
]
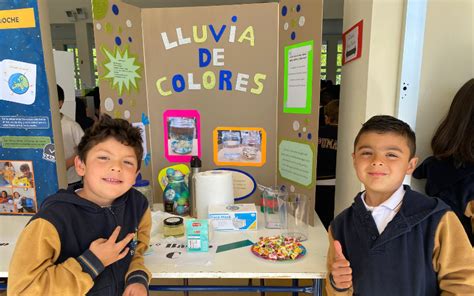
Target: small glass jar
[
  {"x": 250, "y": 145},
  {"x": 173, "y": 226},
  {"x": 176, "y": 194},
  {"x": 144, "y": 187},
  {"x": 231, "y": 144},
  {"x": 182, "y": 133}
]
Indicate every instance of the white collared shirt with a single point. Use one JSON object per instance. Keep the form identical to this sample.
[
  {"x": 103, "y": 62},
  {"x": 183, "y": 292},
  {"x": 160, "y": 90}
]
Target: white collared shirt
[{"x": 385, "y": 212}]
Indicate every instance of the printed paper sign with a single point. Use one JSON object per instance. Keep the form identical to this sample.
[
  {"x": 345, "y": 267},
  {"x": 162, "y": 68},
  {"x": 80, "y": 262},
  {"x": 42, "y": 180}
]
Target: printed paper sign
[
  {"x": 121, "y": 69},
  {"x": 244, "y": 184},
  {"x": 18, "y": 82},
  {"x": 352, "y": 43},
  {"x": 24, "y": 142},
  {"x": 298, "y": 78},
  {"x": 141, "y": 126},
  {"x": 296, "y": 162},
  {"x": 24, "y": 122},
  {"x": 17, "y": 18}
]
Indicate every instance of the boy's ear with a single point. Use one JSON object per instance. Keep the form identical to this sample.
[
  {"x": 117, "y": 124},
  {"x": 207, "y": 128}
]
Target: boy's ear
[
  {"x": 412, "y": 165},
  {"x": 79, "y": 166},
  {"x": 353, "y": 158}
]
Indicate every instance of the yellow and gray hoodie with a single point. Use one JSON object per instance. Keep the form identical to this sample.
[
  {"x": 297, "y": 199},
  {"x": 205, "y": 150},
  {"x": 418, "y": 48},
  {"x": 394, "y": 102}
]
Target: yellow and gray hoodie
[{"x": 52, "y": 255}]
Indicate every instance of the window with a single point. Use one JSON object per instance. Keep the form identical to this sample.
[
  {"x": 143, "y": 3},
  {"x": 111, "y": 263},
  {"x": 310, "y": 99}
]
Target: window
[
  {"x": 94, "y": 61},
  {"x": 77, "y": 71},
  {"x": 324, "y": 59},
  {"x": 339, "y": 62}
]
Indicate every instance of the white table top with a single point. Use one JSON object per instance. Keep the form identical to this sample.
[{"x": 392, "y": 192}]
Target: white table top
[
  {"x": 237, "y": 263},
  {"x": 10, "y": 228}
]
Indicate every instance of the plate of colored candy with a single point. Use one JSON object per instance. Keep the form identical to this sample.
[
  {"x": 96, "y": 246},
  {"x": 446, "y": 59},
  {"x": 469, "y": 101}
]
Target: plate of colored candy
[{"x": 278, "y": 248}]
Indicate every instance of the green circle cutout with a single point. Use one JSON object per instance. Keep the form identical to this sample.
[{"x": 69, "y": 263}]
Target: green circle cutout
[{"x": 99, "y": 9}]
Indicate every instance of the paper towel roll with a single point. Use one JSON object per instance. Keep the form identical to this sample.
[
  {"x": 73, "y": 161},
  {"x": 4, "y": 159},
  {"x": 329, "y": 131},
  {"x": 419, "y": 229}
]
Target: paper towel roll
[{"x": 212, "y": 187}]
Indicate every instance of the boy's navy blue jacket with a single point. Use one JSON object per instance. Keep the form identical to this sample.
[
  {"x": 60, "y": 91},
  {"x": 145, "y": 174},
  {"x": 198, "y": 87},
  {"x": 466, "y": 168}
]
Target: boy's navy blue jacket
[
  {"x": 422, "y": 251},
  {"x": 52, "y": 255},
  {"x": 454, "y": 185}
]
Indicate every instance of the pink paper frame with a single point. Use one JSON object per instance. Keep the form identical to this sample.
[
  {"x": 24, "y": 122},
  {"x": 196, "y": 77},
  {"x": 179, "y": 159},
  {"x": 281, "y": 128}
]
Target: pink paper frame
[{"x": 181, "y": 113}]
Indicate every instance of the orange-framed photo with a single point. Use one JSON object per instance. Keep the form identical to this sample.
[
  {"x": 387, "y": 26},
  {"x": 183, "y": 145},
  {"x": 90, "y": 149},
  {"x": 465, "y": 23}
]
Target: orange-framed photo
[{"x": 240, "y": 146}]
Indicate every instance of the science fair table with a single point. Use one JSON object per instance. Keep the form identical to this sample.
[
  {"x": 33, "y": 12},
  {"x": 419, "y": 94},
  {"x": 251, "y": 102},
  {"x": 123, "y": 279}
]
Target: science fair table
[{"x": 233, "y": 263}]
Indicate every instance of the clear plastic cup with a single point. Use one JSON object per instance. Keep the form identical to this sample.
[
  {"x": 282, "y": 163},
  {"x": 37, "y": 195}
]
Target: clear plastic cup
[
  {"x": 294, "y": 215},
  {"x": 270, "y": 198}
]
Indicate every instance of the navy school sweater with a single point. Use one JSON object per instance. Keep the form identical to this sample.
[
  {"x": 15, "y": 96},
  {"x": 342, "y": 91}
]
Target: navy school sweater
[{"x": 399, "y": 261}]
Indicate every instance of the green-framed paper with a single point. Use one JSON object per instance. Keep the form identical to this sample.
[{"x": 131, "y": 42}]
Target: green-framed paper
[
  {"x": 309, "y": 79},
  {"x": 297, "y": 162}
]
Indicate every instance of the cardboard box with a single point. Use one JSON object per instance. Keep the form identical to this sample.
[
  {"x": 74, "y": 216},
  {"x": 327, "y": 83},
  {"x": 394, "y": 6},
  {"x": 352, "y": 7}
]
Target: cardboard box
[{"x": 233, "y": 217}]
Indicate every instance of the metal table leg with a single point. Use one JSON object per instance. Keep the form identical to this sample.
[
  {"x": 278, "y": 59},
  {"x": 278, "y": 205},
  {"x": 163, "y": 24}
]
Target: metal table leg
[
  {"x": 186, "y": 283},
  {"x": 295, "y": 284},
  {"x": 318, "y": 285}
]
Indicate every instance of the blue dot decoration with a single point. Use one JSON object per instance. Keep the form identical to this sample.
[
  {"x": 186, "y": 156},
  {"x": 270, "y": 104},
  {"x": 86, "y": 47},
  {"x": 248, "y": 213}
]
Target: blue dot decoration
[
  {"x": 115, "y": 9},
  {"x": 234, "y": 19},
  {"x": 118, "y": 41},
  {"x": 299, "y": 135},
  {"x": 130, "y": 39},
  {"x": 310, "y": 136},
  {"x": 298, "y": 8},
  {"x": 284, "y": 11},
  {"x": 293, "y": 35},
  {"x": 120, "y": 101}
]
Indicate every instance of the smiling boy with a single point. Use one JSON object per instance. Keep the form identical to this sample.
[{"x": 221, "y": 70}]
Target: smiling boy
[
  {"x": 392, "y": 240},
  {"x": 90, "y": 240}
]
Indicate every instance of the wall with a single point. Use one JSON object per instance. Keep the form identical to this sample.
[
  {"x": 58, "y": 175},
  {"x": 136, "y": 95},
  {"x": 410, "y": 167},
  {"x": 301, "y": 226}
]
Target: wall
[
  {"x": 62, "y": 34},
  {"x": 332, "y": 33},
  {"x": 448, "y": 62},
  {"x": 369, "y": 84},
  {"x": 78, "y": 33},
  {"x": 333, "y": 9},
  {"x": 57, "y": 10}
]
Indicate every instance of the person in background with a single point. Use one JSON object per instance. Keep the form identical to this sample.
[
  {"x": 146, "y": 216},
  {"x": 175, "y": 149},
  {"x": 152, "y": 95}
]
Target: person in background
[
  {"x": 72, "y": 134},
  {"x": 326, "y": 164},
  {"x": 393, "y": 240},
  {"x": 90, "y": 240},
  {"x": 96, "y": 94},
  {"x": 81, "y": 115},
  {"x": 449, "y": 172},
  {"x": 330, "y": 93}
]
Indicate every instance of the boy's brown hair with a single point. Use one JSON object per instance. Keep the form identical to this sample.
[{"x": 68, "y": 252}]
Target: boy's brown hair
[
  {"x": 107, "y": 127},
  {"x": 382, "y": 124}
]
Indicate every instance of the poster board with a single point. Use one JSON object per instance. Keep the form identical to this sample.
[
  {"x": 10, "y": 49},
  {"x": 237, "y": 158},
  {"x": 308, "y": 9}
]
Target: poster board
[
  {"x": 29, "y": 121},
  {"x": 224, "y": 62}
]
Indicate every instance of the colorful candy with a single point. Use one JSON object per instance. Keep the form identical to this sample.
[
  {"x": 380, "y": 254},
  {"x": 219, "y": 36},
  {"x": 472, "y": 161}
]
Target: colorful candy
[{"x": 278, "y": 248}]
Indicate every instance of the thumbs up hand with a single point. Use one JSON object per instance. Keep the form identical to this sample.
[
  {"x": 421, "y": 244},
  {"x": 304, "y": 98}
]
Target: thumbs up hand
[{"x": 340, "y": 269}]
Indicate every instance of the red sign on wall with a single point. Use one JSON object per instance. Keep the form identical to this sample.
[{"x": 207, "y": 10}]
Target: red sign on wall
[{"x": 352, "y": 43}]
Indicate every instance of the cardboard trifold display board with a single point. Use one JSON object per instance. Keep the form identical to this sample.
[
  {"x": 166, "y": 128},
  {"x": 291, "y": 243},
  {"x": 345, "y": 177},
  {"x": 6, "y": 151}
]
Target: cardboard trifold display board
[{"x": 232, "y": 84}]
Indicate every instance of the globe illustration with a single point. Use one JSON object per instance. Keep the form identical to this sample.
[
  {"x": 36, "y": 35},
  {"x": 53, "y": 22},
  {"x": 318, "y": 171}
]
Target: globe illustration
[{"x": 18, "y": 83}]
